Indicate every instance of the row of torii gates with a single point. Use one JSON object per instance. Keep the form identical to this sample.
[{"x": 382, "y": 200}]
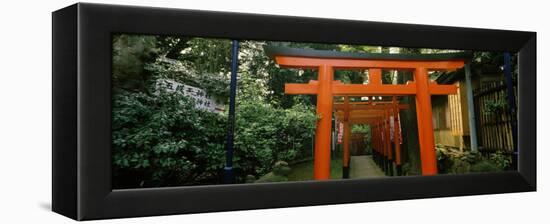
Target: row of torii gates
[
  {"x": 378, "y": 115},
  {"x": 383, "y": 118}
]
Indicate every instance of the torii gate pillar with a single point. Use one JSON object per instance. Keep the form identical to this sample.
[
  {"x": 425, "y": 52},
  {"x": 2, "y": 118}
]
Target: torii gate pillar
[
  {"x": 424, "y": 120},
  {"x": 321, "y": 163}
]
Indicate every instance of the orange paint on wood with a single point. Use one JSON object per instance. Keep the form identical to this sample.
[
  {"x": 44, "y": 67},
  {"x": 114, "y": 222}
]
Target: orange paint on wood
[
  {"x": 396, "y": 127},
  {"x": 293, "y": 88},
  {"x": 387, "y": 132},
  {"x": 346, "y": 153},
  {"x": 339, "y": 63},
  {"x": 425, "y": 123},
  {"x": 339, "y": 106},
  {"x": 436, "y": 89},
  {"x": 362, "y": 90},
  {"x": 375, "y": 77},
  {"x": 321, "y": 163}
]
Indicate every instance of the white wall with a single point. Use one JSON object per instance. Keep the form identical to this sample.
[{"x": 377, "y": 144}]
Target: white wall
[{"x": 25, "y": 112}]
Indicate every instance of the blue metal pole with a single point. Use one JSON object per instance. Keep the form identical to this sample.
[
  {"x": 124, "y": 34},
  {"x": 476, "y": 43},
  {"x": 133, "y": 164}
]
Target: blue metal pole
[
  {"x": 229, "y": 177},
  {"x": 511, "y": 105},
  {"x": 471, "y": 111}
]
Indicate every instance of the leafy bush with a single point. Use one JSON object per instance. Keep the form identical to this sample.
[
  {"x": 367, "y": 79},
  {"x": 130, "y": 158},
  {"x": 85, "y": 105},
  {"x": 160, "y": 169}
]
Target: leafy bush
[
  {"x": 456, "y": 161},
  {"x": 484, "y": 166},
  {"x": 265, "y": 134},
  {"x": 281, "y": 168},
  {"x": 280, "y": 173},
  {"x": 501, "y": 160},
  {"x": 163, "y": 140}
]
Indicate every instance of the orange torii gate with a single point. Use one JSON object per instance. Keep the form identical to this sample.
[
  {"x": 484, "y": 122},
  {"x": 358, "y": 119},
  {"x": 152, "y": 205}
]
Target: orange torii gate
[
  {"x": 326, "y": 62},
  {"x": 365, "y": 113},
  {"x": 380, "y": 141},
  {"x": 381, "y": 133}
]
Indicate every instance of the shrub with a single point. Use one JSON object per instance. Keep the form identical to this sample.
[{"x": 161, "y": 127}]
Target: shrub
[
  {"x": 280, "y": 173},
  {"x": 485, "y": 166},
  {"x": 163, "y": 140},
  {"x": 456, "y": 161},
  {"x": 501, "y": 160},
  {"x": 281, "y": 168},
  {"x": 265, "y": 134}
]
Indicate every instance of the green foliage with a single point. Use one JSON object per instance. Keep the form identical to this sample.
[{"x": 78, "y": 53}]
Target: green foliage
[
  {"x": 501, "y": 160},
  {"x": 281, "y": 168},
  {"x": 359, "y": 48},
  {"x": 304, "y": 170},
  {"x": 495, "y": 106},
  {"x": 271, "y": 177},
  {"x": 485, "y": 62},
  {"x": 265, "y": 134},
  {"x": 203, "y": 63},
  {"x": 363, "y": 129},
  {"x": 162, "y": 140},
  {"x": 280, "y": 173},
  {"x": 266, "y": 79},
  {"x": 208, "y": 55},
  {"x": 454, "y": 161},
  {"x": 408, "y": 170},
  {"x": 130, "y": 54},
  {"x": 484, "y": 166},
  {"x": 215, "y": 84}
]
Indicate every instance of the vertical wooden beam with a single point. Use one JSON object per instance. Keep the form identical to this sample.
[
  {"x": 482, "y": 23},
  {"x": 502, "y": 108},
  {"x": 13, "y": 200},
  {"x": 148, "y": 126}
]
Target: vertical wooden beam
[
  {"x": 375, "y": 77},
  {"x": 321, "y": 162},
  {"x": 387, "y": 142},
  {"x": 425, "y": 123},
  {"x": 383, "y": 140},
  {"x": 396, "y": 127},
  {"x": 387, "y": 130},
  {"x": 347, "y": 131}
]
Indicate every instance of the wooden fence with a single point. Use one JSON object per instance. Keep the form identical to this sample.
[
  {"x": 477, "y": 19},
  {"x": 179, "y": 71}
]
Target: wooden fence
[{"x": 493, "y": 119}]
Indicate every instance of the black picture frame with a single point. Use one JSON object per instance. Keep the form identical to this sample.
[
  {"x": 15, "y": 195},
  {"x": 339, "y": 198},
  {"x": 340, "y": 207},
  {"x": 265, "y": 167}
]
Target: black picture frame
[{"x": 82, "y": 111}]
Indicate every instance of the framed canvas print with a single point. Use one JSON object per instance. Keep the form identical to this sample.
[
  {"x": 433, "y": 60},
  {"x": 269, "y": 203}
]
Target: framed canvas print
[{"x": 168, "y": 111}]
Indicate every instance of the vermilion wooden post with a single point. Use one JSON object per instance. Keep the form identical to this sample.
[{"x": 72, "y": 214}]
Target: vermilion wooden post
[
  {"x": 396, "y": 135},
  {"x": 383, "y": 145},
  {"x": 375, "y": 145},
  {"x": 346, "y": 153},
  {"x": 425, "y": 124},
  {"x": 388, "y": 141},
  {"x": 321, "y": 163},
  {"x": 388, "y": 129}
]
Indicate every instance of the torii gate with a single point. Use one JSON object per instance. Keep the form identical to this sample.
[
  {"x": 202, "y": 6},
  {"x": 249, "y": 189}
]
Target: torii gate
[
  {"x": 367, "y": 113},
  {"x": 325, "y": 88},
  {"x": 381, "y": 139}
]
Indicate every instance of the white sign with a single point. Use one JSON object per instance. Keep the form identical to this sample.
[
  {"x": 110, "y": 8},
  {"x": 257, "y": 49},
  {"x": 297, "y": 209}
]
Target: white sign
[
  {"x": 340, "y": 132},
  {"x": 202, "y": 99}
]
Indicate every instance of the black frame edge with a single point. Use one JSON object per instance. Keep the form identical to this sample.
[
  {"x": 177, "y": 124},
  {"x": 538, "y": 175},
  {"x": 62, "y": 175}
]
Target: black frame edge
[
  {"x": 64, "y": 111},
  {"x": 527, "y": 113},
  {"x": 96, "y": 200}
]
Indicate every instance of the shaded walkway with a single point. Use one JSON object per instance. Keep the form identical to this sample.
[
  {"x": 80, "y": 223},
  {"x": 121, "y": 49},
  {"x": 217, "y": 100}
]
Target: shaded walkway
[{"x": 364, "y": 166}]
